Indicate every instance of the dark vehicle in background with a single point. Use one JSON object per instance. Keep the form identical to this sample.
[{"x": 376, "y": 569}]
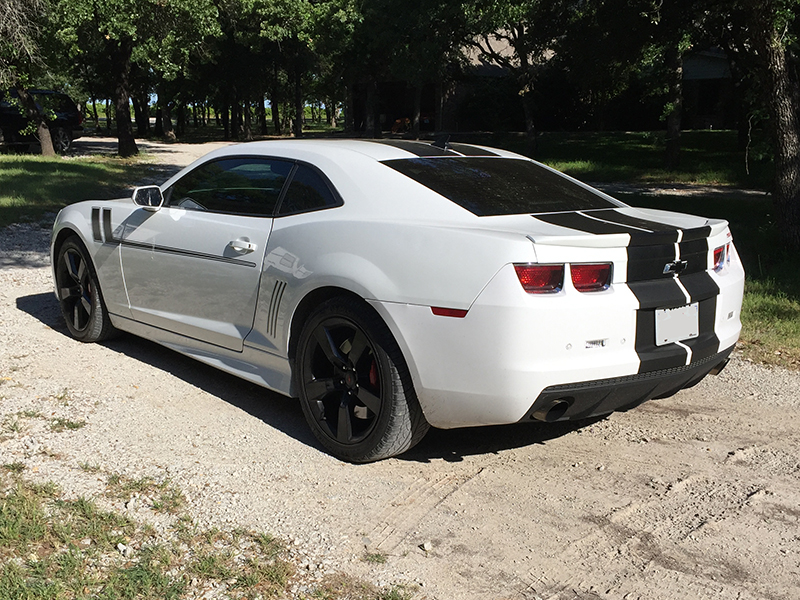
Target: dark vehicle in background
[{"x": 64, "y": 119}]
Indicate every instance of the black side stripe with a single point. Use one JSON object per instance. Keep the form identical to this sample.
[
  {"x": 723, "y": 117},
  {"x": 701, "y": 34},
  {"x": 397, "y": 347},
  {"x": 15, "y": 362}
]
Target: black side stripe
[
  {"x": 274, "y": 307},
  {"x": 202, "y": 255},
  {"x": 96, "y": 236},
  {"x": 107, "y": 229}
]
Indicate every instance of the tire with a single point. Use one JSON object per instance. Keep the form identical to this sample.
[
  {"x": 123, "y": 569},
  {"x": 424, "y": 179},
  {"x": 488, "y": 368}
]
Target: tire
[
  {"x": 62, "y": 140},
  {"x": 354, "y": 384},
  {"x": 79, "y": 294}
]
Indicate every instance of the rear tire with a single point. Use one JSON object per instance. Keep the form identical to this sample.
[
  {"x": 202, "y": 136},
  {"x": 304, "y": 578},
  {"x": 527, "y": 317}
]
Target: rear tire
[
  {"x": 79, "y": 294},
  {"x": 62, "y": 140},
  {"x": 354, "y": 384}
]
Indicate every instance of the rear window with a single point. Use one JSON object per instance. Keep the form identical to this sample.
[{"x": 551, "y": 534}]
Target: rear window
[{"x": 499, "y": 186}]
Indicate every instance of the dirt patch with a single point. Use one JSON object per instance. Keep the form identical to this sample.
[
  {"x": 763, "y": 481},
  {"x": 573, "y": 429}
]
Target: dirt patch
[{"x": 692, "y": 497}]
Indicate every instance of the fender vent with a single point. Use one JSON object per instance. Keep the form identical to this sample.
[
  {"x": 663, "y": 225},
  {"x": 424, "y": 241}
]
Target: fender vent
[{"x": 274, "y": 308}]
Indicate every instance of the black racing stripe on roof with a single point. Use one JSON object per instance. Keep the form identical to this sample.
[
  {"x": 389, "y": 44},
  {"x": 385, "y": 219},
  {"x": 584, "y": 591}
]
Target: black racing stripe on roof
[
  {"x": 420, "y": 149},
  {"x": 468, "y": 150},
  {"x": 575, "y": 220}
]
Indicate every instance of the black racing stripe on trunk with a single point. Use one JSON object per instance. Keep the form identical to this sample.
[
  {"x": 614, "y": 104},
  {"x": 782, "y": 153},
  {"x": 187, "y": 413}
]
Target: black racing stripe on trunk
[
  {"x": 108, "y": 231},
  {"x": 646, "y": 263},
  {"x": 574, "y": 220},
  {"x": 707, "y": 343},
  {"x": 468, "y": 150},
  {"x": 652, "y": 357},
  {"x": 613, "y": 214},
  {"x": 695, "y": 253},
  {"x": 96, "y": 236},
  {"x": 665, "y": 293},
  {"x": 697, "y": 233},
  {"x": 700, "y": 286}
]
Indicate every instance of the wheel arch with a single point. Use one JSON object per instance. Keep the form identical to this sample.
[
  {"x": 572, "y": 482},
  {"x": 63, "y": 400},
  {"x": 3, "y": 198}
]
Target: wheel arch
[{"x": 320, "y": 295}]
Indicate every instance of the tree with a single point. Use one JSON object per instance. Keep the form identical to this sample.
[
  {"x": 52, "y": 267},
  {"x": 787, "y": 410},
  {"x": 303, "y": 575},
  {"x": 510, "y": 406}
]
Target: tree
[{"x": 21, "y": 27}]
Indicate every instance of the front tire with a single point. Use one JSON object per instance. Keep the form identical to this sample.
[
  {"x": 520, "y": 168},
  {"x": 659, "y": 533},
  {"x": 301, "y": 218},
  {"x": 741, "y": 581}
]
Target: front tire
[
  {"x": 79, "y": 294},
  {"x": 354, "y": 385}
]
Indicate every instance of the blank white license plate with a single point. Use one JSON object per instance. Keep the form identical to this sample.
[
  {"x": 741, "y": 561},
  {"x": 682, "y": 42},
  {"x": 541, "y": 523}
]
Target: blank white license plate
[{"x": 677, "y": 324}]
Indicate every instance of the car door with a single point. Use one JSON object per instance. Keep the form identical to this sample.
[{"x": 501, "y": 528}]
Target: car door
[{"x": 193, "y": 267}]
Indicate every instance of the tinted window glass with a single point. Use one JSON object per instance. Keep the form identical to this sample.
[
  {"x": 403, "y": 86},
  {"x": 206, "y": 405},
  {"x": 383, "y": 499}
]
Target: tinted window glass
[
  {"x": 307, "y": 191},
  {"x": 238, "y": 186},
  {"x": 498, "y": 186}
]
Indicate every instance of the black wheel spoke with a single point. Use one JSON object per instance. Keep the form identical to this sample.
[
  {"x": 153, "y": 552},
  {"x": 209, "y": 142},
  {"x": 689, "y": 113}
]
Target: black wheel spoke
[
  {"x": 81, "y": 271},
  {"x": 328, "y": 346},
  {"x": 370, "y": 400},
  {"x": 76, "y": 316},
  {"x": 344, "y": 429},
  {"x": 70, "y": 292},
  {"x": 69, "y": 259},
  {"x": 86, "y": 304},
  {"x": 357, "y": 348},
  {"x": 319, "y": 388}
]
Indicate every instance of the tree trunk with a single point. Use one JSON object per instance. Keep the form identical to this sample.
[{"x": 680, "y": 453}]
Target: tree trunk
[
  {"x": 121, "y": 67},
  {"x": 674, "y": 62},
  {"x": 299, "y": 109},
  {"x": 262, "y": 114},
  {"x": 373, "y": 110},
  {"x": 226, "y": 121},
  {"x": 349, "y": 109},
  {"x": 95, "y": 116},
  {"x": 417, "y": 110},
  {"x": 529, "y": 109},
  {"x": 166, "y": 122},
  {"x": 782, "y": 94},
  {"x": 109, "y": 118},
  {"x": 247, "y": 130},
  {"x": 42, "y": 130}
]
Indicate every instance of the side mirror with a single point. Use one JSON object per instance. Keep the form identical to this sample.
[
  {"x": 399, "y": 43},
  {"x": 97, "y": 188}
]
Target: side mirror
[{"x": 148, "y": 197}]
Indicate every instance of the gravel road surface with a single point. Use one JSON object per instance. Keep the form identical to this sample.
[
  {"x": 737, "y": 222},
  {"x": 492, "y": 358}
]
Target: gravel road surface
[{"x": 696, "y": 496}]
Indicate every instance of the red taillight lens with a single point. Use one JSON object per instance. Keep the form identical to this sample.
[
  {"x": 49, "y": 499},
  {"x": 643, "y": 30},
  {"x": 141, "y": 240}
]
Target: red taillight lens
[
  {"x": 591, "y": 278},
  {"x": 448, "y": 312},
  {"x": 540, "y": 279},
  {"x": 719, "y": 257}
]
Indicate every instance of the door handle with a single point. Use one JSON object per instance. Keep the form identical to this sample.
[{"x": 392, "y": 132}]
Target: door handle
[{"x": 242, "y": 245}]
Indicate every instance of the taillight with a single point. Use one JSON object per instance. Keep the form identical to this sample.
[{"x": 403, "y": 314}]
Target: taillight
[
  {"x": 720, "y": 257},
  {"x": 540, "y": 279},
  {"x": 591, "y": 278}
]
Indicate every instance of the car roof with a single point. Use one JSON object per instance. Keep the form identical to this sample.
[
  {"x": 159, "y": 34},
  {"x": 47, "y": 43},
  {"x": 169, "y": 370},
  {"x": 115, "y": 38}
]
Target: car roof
[{"x": 379, "y": 150}]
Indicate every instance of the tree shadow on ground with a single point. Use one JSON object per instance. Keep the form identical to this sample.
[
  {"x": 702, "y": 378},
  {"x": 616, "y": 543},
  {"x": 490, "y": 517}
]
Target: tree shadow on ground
[{"x": 284, "y": 413}]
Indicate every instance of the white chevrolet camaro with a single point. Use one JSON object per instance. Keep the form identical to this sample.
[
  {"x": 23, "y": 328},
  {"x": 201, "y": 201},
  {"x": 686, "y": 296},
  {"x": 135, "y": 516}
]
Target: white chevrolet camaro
[{"x": 392, "y": 285}]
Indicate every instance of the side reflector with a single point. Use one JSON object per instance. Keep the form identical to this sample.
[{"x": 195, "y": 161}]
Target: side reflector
[
  {"x": 448, "y": 312},
  {"x": 591, "y": 278},
  {"x": 540, "y": 279}
]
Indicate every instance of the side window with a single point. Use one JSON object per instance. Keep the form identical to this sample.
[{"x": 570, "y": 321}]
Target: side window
[
  {"x": 235, "y": 186},
  {"x": 307, "y": 191}
]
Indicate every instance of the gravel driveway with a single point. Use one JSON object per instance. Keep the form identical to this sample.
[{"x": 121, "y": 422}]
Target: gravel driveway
[{"x": 695, "y": 496}]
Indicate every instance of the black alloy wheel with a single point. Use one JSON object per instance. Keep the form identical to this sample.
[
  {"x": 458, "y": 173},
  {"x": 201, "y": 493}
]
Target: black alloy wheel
[
  {"x": 79, "y": 294},
  {"x": 355, "y": 399}
]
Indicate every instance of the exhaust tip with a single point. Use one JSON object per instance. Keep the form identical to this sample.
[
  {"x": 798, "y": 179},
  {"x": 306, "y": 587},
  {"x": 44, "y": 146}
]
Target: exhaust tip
[
  {"x": 716, "y": 370},
  {"x": 552, "y": 411}
]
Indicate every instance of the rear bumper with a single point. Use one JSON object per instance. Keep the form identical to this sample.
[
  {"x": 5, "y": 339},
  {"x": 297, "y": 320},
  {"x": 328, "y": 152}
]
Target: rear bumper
[{"x": 603, "y": 396}]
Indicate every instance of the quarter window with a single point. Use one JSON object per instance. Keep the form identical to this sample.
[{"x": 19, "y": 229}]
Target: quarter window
[
  {"x": 238, "y": 186},
  {"x": 307, "y": 191}
]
